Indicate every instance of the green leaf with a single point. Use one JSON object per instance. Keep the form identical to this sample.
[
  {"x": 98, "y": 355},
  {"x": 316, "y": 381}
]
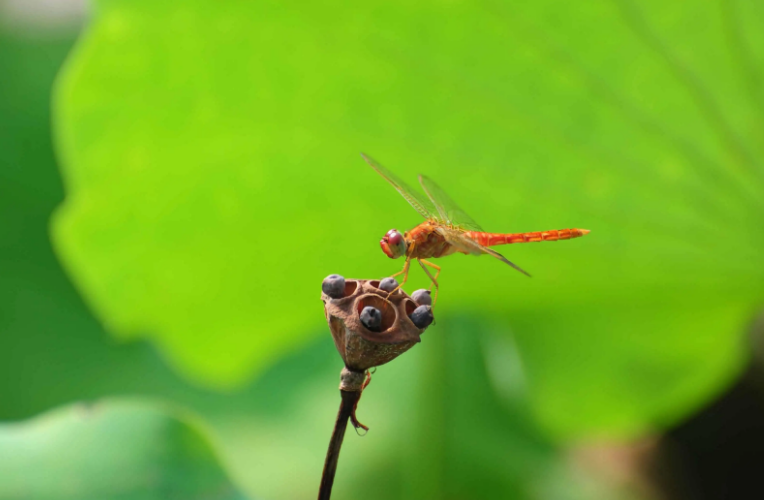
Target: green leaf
[
  {"x": 210, "y": 158},
  {"x": 272, "y": 435},
  {"x": 110, "y": 450}
]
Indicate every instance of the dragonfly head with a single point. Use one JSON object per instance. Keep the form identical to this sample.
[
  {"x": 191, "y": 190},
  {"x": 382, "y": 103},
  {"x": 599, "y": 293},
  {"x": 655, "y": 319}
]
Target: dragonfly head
[{"x": 393, "y": 244}]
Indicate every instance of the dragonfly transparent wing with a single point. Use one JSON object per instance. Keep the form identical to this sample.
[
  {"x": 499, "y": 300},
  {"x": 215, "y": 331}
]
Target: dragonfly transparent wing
[
  {"x": 448, "y": 211},
  {"x": 457, "y": 238},
  {"x": 420, "y": 203}
]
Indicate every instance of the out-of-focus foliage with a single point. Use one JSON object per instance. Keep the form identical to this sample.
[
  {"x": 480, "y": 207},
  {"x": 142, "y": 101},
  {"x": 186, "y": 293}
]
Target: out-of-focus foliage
[
  {"x": 210, "y": 159},
  {"x": 125, "y": 451},
  {"x": 450, "y": 416},
  {"x": 439, "y": 419},
  {"x": 439, "y": 422}
]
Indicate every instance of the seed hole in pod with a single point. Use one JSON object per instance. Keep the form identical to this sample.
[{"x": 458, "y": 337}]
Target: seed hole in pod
[
  {"x": 410, "y": 305},
  {"x": 374, "y": 283},
  {"x": 350, "y": 287},
  {"x": 385, "y": 307}
]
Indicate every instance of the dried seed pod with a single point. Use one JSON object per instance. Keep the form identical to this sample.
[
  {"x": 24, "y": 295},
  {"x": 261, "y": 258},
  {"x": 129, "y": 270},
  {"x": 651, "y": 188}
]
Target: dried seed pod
[
  {"x": 334, "y": 286},
  {"x": 422, "y": 297},
  {"x": 360, "y": 347},
  {"x": 422, "y": 316}
]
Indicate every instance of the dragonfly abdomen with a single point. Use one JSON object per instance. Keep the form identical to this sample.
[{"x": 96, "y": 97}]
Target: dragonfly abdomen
[{"x": 493, "y": 239}]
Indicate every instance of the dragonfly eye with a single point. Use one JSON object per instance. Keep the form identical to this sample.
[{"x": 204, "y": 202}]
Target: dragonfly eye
[
  {"x": 393, "y": 244},
  {"x": 394, "y": 238}
]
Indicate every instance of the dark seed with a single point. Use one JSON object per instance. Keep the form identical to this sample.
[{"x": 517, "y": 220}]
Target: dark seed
[
  {"x": 422, "y": 297},
  {"x": 371, "y": 318},
  {"x": 422, "y": 316},
  {"x": 334, "y": 286},
  {"x": 388, "y": 284}
]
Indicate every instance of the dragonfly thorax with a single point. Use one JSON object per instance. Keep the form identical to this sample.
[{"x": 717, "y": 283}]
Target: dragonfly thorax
[{"x": 393, "y": 244}]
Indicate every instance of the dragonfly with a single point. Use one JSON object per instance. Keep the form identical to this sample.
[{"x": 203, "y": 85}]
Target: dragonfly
[{"x": 447, "y": 229}]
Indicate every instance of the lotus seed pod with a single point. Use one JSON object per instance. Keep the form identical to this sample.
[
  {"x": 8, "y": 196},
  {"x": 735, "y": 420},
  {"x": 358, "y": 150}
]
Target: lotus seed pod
[
  {"x": 360, "y": 347},
  {"x": 422, "y": 297},
  {"x": 388, "y": 284},
  {"x": 422, "y": 316},
  {"x": 334, "y": 286},
  {"x": 371, "y": 318}
]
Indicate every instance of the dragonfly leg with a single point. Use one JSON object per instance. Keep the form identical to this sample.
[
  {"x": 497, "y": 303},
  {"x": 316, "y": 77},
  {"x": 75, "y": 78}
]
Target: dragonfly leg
[
  {"x": 399, "y": 272},
  {"x": 405, "y": 273},
  {"x": 405, "y": 270},
  {"x": 434, "y": 280}
]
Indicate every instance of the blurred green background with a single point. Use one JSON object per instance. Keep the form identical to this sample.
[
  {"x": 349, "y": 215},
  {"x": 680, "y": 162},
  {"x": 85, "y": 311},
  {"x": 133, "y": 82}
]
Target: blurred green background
[{"x": 176, "y": 178}]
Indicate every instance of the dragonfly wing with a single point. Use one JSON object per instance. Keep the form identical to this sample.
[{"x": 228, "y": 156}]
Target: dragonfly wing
[
  {"x": 464, "y": 244},
  {"x": 499, "y": 256},
  {"x": 420, "y": 204},
  {"x": 449, "y": 211}
]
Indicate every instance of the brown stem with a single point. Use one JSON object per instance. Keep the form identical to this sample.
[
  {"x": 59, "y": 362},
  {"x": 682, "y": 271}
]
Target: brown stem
[{"x": 349, "y": 400}]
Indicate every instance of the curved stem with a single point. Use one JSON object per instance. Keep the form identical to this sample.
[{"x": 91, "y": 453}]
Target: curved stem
[{"x": 349, "y": 400}]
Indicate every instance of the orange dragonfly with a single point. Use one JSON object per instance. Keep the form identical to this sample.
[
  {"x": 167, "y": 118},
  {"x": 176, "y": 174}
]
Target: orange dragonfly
[{"x": 448, "y": 229}]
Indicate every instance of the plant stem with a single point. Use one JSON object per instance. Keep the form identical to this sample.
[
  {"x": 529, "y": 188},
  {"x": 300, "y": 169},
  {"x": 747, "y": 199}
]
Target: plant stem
[{"x": 349, "y": 400}]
